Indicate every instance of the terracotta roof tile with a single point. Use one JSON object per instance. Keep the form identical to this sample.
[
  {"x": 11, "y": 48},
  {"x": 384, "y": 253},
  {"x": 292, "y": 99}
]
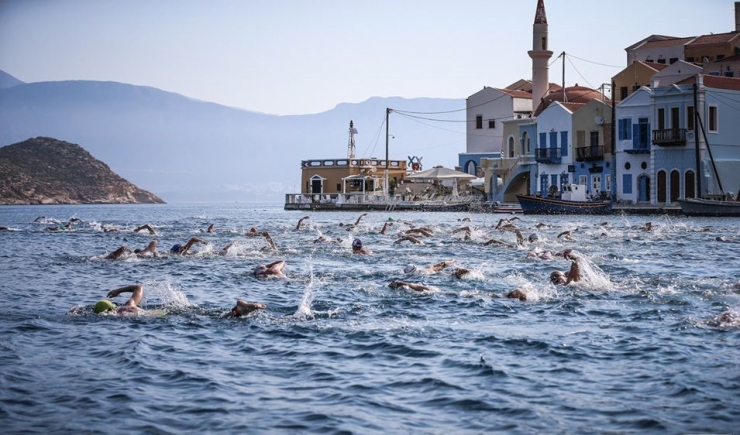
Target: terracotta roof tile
[
  {"x": 516, "y": 93},
  {"x": 673, "y": 42},
  {"x": 717, "y": 82}
]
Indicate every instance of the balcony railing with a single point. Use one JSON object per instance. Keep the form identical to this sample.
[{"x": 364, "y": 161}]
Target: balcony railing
[
  {"x": 670, "y": 137},
  {"x": 548, "y": 155},
  {"x": 590, "y": 153}
]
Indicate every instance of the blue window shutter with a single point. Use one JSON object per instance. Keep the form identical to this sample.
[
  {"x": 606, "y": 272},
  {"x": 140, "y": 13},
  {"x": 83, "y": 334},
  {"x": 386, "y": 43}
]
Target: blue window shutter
[
  {"x": 620, "y": 129},
  {"x": 627, "y": 183},
  {"x": 564, "y": 143},
  {"x": 635, "y": 136},
  {"x": 543, "y": 140}
]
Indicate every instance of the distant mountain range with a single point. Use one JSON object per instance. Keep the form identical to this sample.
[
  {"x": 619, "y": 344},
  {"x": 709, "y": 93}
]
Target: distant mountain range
[{"x": 187, "y": 150}]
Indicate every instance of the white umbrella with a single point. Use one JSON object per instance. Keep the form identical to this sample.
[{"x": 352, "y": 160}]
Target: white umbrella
[{"x": 442, "y": 173}]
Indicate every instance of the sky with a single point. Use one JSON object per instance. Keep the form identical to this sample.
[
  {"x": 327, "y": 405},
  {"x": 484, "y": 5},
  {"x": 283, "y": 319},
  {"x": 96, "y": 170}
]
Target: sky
[{"x": 294, "y": 57}]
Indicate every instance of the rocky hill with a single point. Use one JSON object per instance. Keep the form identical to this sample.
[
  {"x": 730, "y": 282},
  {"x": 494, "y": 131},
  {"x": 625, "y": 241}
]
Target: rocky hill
[{"x": 49, "y": 171}]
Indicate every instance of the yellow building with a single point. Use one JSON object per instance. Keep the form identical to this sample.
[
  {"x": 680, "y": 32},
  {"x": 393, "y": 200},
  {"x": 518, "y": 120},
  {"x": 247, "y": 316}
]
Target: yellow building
[{"x": 350, "y": 176}]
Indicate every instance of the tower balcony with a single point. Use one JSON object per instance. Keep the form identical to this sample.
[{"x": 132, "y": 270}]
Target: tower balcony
[{"x": 669, "y": 137}]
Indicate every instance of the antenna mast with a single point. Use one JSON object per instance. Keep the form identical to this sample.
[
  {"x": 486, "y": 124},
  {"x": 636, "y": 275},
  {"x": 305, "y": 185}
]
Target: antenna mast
[{"x": 351, "y": 145}]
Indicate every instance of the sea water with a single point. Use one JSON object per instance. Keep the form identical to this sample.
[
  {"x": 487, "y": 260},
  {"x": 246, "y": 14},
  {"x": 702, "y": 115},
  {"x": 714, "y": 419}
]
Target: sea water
[{"x": 647, "y": 342}]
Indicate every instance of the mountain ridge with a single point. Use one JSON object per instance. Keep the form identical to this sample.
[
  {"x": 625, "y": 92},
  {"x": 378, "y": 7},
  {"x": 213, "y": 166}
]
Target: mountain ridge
[{"x": 192, "y": 150}]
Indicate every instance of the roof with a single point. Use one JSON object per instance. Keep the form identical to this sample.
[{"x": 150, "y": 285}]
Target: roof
[
  {"x": 651, "y": 38},
  {"x": 572, "y": 94},
  {"x": 516, "y": 94},
  {"x": 716, "y": 82},
  {"x": 540, "y": 17},
  {"x": 719, "y": 38},
  {"x": 673, "y": 42},
  {"x": 573, "y": 107}
]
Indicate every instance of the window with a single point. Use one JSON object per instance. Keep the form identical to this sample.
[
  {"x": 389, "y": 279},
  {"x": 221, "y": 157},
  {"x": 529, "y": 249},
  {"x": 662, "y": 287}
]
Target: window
[
  {"x": 661, "y": 61},
  {"x": 511, "y": 147},
  {"x": 580, "y": 138},
  {"x": 564, "y": 143},
  {"x": 608, "y": 183},
  {"x": 582, "y": 180},
  {"x": 661, "y": 119},
  {"x": 623, "y": 92},
  {"x": 713, "y": 119},
  {"x": 690, "y": 59},
  {"x": 544, "y": 43},
  {"x": 543, "y": 140},
  {"x": 491, "y": 123},
  {"x": 594, "y": 139},
  {"x": 478, "y": 122},
  {"x": 673, "y": 60},
  {"x": 625, "y": 129},
  {"x": 675, "y": 123},
  {"x": 553, "y": 139},
  {"x": 690, "y": 118},
  {"x": 729, "y": 74}
]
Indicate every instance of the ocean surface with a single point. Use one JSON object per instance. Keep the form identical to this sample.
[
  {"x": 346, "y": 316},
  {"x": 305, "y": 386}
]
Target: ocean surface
[{"x": 647, "y": 342}]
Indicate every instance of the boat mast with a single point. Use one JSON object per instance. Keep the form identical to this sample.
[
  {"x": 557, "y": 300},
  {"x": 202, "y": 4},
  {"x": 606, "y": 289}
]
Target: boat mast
[
  {"x": 696, "y": 141},
  {"x": 709, "y": 149}
]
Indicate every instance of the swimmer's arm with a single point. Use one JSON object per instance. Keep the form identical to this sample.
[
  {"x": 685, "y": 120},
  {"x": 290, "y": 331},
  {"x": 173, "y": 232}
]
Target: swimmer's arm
[
  {"x": 574, "y": 274},
  {"x": 136, "y": 290}
]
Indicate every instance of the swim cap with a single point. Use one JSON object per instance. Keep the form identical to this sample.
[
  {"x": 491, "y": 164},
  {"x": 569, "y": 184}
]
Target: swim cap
[
  {"x": 409, "y": 269},
  {"x": 176, "y": 248},
  {"x": 357, "y": 244},
  {"x": 104, "y": 305}
]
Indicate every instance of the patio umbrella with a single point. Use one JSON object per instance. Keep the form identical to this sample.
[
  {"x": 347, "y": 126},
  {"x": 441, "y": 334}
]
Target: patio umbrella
[{"x": 441, "y": 173}]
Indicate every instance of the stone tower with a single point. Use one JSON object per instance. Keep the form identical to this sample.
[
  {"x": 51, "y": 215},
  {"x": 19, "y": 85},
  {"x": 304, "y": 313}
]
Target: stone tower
[{"x": 540, "y": 56}]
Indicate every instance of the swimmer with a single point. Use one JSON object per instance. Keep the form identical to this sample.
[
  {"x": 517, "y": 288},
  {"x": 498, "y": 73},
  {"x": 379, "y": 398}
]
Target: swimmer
[
  {"x": 252, "y": 232},
  {"x": 410, "y": 285},
  {"x": 151, "y": 249},
  {"x": 567, "y": 235},
  {"x": 300, "y": 221},
  {"x": 465, "y": 229},
  {"x": 498, "y": 242},
  {"x": 506, "y": 221},
  {"x": 182, "y": 250},
  {"x": 424, "y": 231},
  {"x": 357, "y": 222},
  {"x": 3, "y": 228},
  {"x": 546, "y": 255},
  {"x": 461, "y": 272},
  {"x": 385, "y": 227},
  {"x": 648, "y": 226},
  {"x": 118, "y": 253},
  {"x": 429, "y": 270},
  {"x": 358, "y": 249},
  {"x": 131, "y": 306},
  {"x": 273, "y": 269},
  {"x": 517, "y": 293},
  {"x": 65, "y": 227},
  {"x": 559, "y": 277},
  {"x": 243, "y": 308},
  {"x": 146, "y": 227},
  {"x": 408, "y": 238},
  {"x": 270, "y": 242},
  {"x": 210, "y": 229}
]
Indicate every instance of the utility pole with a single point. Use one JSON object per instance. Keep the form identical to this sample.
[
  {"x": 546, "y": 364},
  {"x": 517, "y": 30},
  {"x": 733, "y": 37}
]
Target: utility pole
[{"x": 386, "y": 191}]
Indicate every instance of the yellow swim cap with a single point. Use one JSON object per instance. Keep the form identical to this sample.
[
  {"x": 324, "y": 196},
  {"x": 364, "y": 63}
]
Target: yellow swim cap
[{"x": 104, "y": 305}]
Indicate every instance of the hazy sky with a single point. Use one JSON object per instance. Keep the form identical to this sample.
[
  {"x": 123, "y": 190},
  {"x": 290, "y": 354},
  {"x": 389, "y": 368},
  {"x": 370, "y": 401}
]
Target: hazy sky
[{"x": 306, "y": 56}]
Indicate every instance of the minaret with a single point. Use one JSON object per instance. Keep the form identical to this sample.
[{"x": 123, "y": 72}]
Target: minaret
[
  {"x": 540, "y": 56},
  {"x": 351, "y": 144}
]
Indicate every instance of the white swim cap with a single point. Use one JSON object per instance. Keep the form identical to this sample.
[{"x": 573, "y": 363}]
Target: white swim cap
[{"x": 409, "y": 269}]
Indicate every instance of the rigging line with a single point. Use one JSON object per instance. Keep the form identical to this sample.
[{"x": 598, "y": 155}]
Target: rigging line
[
  {"x": 556, "y": 59},
  {"x": 503, "y": 118},
  {"x": 376, "y": 138},
  {"x": 453, "y": 111},
  {"x": 579, "y": 73},
  {"x": 596, "y": 63},
  {"x": 417, "y": 119},
  {"x": 722, "y": 100}
]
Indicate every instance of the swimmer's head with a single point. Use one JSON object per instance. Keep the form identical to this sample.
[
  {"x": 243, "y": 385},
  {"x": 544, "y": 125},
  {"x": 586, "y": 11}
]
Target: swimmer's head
[
  {"x": 104, "y": 305},
  {"x": 533, "y": 238},
  {"x": 136, "y": 251},
  {"x": 409, "y": 269},
  {"x": 558, "y": 277},
  {"x": 176, "y": 248},
  {"x": 357, "y": 244},
  {"x": 259, "y": 270}
]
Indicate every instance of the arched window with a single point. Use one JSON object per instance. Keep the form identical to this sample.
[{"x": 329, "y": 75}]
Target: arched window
[
  {"x": 675, "y": 185},
  {"x": 471, "y": 168},
  {"x": 511, "y": 147},
  {"x": 689, "y": 185},
  {"x": 661, "y": 186}
]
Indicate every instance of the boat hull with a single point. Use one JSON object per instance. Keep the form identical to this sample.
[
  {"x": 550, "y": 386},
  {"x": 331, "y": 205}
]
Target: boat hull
[
  {"x": 708, "y": 207},
  {"x": 538, "y": 205}
]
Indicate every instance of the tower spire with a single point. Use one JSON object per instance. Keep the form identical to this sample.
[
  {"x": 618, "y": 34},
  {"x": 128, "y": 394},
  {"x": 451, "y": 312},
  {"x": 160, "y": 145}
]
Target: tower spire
[{"x": 540, "y": 56}]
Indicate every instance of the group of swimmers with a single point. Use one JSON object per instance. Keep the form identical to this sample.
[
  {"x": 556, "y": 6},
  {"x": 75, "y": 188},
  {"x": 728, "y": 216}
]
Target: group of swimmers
[{"x": 275, "y": 269}]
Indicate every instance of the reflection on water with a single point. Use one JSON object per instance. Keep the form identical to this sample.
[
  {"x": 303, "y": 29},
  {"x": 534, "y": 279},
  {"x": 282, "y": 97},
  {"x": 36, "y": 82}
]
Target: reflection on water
[{"x": 647, "y": 341}]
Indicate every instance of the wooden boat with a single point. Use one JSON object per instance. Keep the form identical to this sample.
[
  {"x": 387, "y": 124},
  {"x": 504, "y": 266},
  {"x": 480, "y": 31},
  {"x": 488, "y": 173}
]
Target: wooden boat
[
  {"x": 572, "y": 201},
  {"x": 715, "y": 205},
  {"x": 709, "y": 207}
]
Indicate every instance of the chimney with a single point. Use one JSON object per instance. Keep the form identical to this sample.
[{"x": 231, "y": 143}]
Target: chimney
[{"x": 737, "y": 16}]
